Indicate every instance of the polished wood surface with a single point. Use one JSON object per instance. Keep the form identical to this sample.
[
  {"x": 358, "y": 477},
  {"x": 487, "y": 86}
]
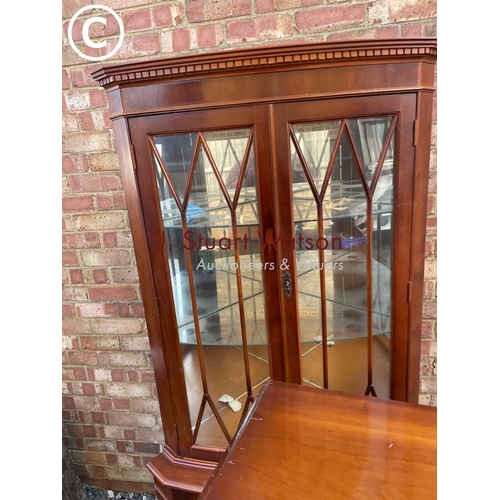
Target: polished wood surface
[
  {"x": 265, "y": 88},
  {"x": 306, "y": 443}
]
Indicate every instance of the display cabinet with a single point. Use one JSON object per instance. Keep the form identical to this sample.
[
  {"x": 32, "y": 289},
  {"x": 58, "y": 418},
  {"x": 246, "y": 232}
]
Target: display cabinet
[{"x": 277, "y": 201}]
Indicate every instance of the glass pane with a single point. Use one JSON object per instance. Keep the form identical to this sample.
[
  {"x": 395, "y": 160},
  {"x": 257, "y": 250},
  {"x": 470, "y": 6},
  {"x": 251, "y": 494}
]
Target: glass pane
[
  {"x": 176, "y": 152},
  {"x": 204, "y": 265},
  {"x": 306, "y": 235},
  {"x": 369, "y": 135},
  {"x": 382, "y": 273},
  {"x": 316, "y": 142},
  {"x": 228, "y": 149}
]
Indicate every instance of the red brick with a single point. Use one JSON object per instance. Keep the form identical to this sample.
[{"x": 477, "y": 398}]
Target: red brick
[
  {"x": 382, "y": 32},
  {"x": 124, "y": 275},
  {"x": 111, "y": 459},
  {"x": 76, "y": 276},
  {"x": 208, "y": 35},
  {"x": 431, "y": 204},
  {"x": 86, "y": 142},
  {"x": 132, "y": 375},
  {"x": 114, "y": 201},
  {"x": 95, "y": 258},
  {"x": 428, "y": 348},
  {"x": 124, "y": 446},
  {"x": 88, "y": 457},
  {"x": 96, "y": 310},
  {"x": 73, "y": 164},
  {"x": 129, "y": 434},
  {"x": 135, "y": 343},
  {"x": 74, "y": 430},
  {"x": 74, "y": 374},
  {"x": 431, "y": 227},
  {"x": 139, "y": 45},
  {"x": 162, "y": 16},
  {"x": 67, "y": 311},
  {"x": 330, "y": 18},
  {"x": 262, "y": 6},
  {"x": 137, "y": 20},
  {"x": 92, "y": 389},
  {"x": 65, "y": 80},
  {"x": 88, "y": 431},
  {"x": 429, "y": 309},
  {"x": 98, "y": 98},
  {"x": 90, "y": 183},
  {"x": 99, "y": 417},
  {"x": 99, "y": 221},
  {"x": 103, "y": 162},
  {"x": 205, "y": 10},
  {"x": 132, "y": 419},
  {"x": 65, "y": 277},
  {"x": 247, "y": 30},
  {"x": 69, "y": 123},
  {"x": 105, "y": 404},
  {"x": 428, "y": 329},
  {"x": 100, "y": 445},
  {"x": 117, "y": 375},
  {"x": 76, "y": 326},
  {"x": 74, "y": 293},
  {"x": 121, "y": 239},
  {"x": 429, "y": 248},
  {"x": 77, "y": 203},
  {"x": 145, "y": 406},
  {"x": 112, "y": 359},
  {"x": 69, "y": 258},
  {"x": 147, "y": 376},
  {"x": 81, "y": 240},
  {"x": 68, "y": 403},
  {"x": 430, "y": 272},
  {"x": 117, "y": 326},
  {"x": 133, "y": 310},
  {"x": 100, "y": 119},
  {"x": 408, "y": 11},
  {"x": 82, "y": 358},
  {"x": 429, "y": 289},
  {"x": 100, "y": 276},
  {"x": 80, "y": 77},
  {"x": 121, "y": 404},
  {"x": 428, "y": 385},
  {"x": 66, "y": 223},
  {"x": 149, "y": 448},
  {"x": 100, "y": 343},
  {"x": 77, "y": 100},
  {"x": 113, "y": 293},
  {"x": 181, "y": 39}
]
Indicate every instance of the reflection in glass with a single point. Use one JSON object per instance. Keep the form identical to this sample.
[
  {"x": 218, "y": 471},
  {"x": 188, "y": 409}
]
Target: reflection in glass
[
  {"x": 341, "y": 202},
  {"x": 213, "y": 252}
]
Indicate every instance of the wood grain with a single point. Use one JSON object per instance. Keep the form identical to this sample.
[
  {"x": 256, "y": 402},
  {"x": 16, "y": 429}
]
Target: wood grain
[{"x": 306, "y": 443}]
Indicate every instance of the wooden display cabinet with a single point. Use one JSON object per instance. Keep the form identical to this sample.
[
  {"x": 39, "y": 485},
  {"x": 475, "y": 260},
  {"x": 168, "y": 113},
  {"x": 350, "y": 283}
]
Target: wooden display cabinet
[{"x": 277, "y": 201}]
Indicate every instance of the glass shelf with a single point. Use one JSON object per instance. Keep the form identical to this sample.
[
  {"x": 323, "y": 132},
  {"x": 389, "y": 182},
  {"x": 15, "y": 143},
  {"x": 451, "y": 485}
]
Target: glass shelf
[
  {"x": 219, "y": 315},
  {"x": 344, "y": 203}
]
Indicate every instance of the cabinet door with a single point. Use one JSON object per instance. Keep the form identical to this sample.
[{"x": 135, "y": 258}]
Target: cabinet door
[
  {"x": 205, "y": 187},
  {"x": 342, "y": 166}
]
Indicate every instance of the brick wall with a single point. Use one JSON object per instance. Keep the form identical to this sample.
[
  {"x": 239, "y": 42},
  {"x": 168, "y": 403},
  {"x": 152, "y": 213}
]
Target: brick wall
[{"x": 110, "y": 410}]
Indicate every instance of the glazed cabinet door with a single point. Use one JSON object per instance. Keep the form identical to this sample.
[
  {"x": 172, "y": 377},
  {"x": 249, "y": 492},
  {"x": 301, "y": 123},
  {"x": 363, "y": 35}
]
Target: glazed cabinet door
[
  {"x": 204, "y": 180},
  {"x": 342, "y": 166}
]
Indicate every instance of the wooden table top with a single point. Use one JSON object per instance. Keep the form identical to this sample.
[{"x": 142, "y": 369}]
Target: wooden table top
[{"x": 300, "y": 442}]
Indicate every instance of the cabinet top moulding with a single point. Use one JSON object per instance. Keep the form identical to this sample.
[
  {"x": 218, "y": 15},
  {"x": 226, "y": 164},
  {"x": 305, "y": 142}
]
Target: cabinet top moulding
[
  {"x": 235, "y": 77},
  {"x": 269, "y": 57}
]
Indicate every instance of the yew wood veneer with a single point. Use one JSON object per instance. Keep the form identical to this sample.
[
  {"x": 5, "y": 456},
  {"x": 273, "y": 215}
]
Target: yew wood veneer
[
  {"x": 300, "y": 442},
  {"x": 269, "y": 92}
]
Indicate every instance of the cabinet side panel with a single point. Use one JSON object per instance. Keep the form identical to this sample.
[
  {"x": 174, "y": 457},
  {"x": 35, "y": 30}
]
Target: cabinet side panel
[
  {"x": 421, "y": 180},
  {"x": 133, "y": 203}
]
